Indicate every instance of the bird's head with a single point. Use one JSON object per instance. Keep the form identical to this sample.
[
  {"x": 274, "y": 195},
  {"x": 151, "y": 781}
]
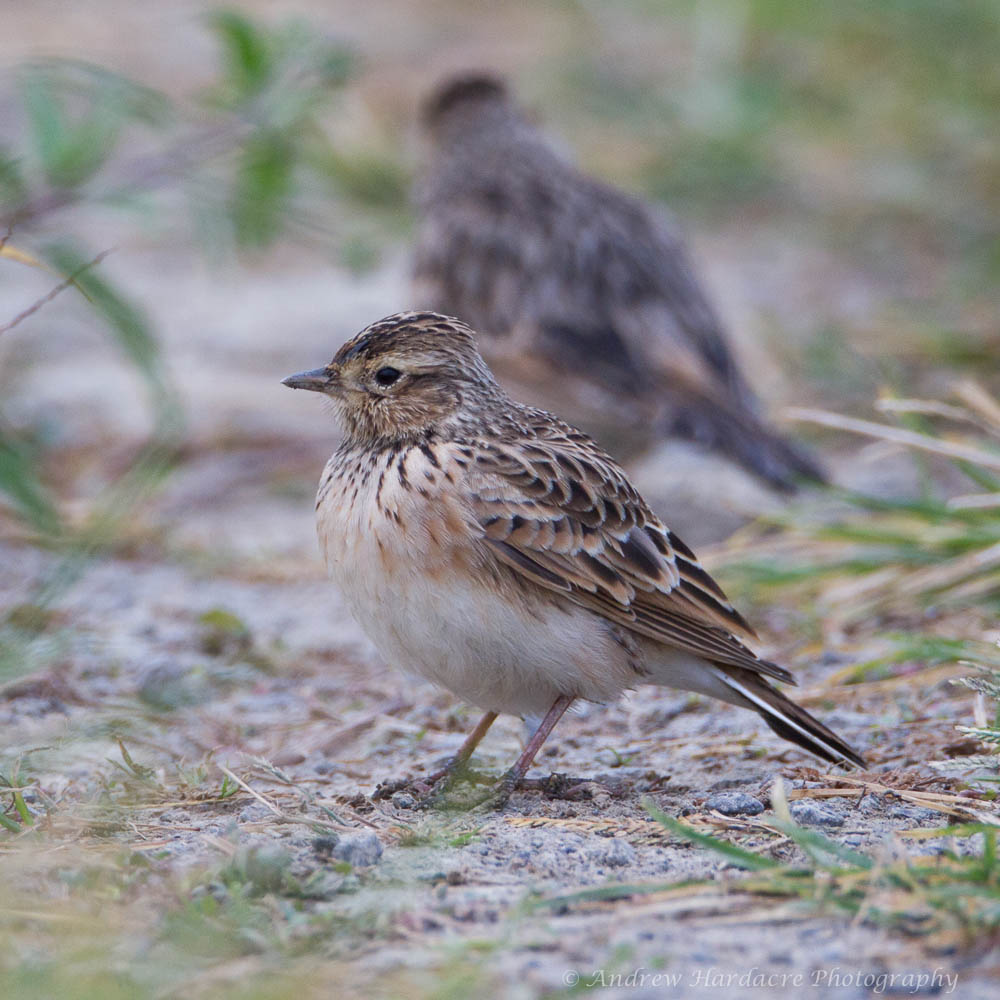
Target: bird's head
[
  {"x": 404, "y": 377},
  {"x": 465, "y": 100}
]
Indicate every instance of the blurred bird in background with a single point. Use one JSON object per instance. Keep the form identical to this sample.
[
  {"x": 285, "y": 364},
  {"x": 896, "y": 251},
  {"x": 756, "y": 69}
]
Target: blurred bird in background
[{"x": 585, "y": 297}]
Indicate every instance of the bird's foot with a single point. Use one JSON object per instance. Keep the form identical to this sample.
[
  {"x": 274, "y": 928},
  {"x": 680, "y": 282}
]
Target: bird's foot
[
  {"x": 445, "y": 795},
  {"x": 555, "y": 786},
  {"x": 442, "y": 790},
  {"x": 499, "y": 795},
  {"x": 432, "y": 790},
  {"x": 563, "y": 786},
  {"x": 457, "y": 792},
  {"x": 386, "y": 789}
]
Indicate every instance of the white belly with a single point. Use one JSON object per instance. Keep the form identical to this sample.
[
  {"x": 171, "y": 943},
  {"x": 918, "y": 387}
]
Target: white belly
[{"x": 431, "y": 603}]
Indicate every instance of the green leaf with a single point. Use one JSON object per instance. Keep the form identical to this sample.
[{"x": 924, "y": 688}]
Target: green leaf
[
  {"x": 246, "y": 53},
  {"x": 127, "y": 98},
  {"x": 13, "y": 186},
  {"x": 125, "y": 320},
  {"x": 263, "y": 184},
  {"x": 46, "y": 119},
  {"x": 9, "y": 825},
  {"x": 20, "y": 483},
  {"x": 70, "y": 153}
]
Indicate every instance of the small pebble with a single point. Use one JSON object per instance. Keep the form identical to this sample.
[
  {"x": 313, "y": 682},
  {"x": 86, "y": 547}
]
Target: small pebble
[
  {"x": 254, "y": 813},
  {"x": 323, "y": 846},
  {"x": 914, "y": 814},
  {"x": 734, "y": 804},
  {"x": 358, "y": 849},
  {"x": 616, "y": 853},
  {"x": 401, "y": 800},
  {"x": 813, "y": 814},
  {"x": 175, "y": 816}
]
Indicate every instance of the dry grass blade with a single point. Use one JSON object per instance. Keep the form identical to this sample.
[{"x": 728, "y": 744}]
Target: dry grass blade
[
  {"x": 944, "y": 802},
  {"x": 895, "y": 435},
  {"x": 641, "y": 831},
  {"x": 942, "y": 577},
  {"x": 645, "y": 831},
  {"x": 834, "y": 687},
  {"x": 886, "y": 555},
  {"x": 926, "y": 407},
  {"x": 975, "y": 501},
  {"x": 897, "y": 587},
  {"x": 58, "y": 290},
  {"x": 953, "y": 901},
  {"x": 977, "y": 399},
  {"x": 20, "y": 256},
  {"x": 267, "y": 803}
]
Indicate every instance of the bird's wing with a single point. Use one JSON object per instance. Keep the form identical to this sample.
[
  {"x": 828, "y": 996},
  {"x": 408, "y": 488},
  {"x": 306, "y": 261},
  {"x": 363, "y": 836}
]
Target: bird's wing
[
  {"x": 522, "y": 245},
  {"x": 644, "y": 280},
  {"x": 559, "y": 512}
]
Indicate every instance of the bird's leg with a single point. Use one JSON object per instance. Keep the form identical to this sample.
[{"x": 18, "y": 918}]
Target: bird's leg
[
  {"x": 499, "y": 796},
  {"x": 448, "y": 773}
]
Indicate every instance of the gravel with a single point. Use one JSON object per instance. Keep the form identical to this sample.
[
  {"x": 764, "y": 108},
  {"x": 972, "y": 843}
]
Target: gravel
[
  {"x": 735, "y": 804},
  {"x": 815, "y": 814},
  {"x": 616, "y": 853},
  {"x": 360, "y": 850}
]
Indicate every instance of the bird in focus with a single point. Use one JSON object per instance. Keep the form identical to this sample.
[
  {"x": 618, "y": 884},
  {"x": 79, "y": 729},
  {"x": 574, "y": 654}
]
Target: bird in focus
[
  {"x": 493, "y": 549},
  {"x": 585, "y": 297}
]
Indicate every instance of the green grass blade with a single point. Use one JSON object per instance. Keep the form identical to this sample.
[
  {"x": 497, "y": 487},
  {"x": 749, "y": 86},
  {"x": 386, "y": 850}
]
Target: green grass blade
[
  {"x": 246, "y": 53},
  {"x": 821, "y": 849},
  {"x": 736, "y": 855},
  {"x": 125, "y": 320},
  {"x": 607, "y": 893},
  {"x": 21, "y": 484}
]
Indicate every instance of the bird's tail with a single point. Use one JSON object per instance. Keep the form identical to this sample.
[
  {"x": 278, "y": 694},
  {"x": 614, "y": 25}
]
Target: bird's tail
[
  {"x": 788, "y": 720},
  {"x": 739, "y": 433}
]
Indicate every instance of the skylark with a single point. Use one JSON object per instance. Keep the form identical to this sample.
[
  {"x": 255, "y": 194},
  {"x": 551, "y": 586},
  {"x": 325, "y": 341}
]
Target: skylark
[
  {"x": 585, "y": 297},
  {"x": 497, "y": 551}
]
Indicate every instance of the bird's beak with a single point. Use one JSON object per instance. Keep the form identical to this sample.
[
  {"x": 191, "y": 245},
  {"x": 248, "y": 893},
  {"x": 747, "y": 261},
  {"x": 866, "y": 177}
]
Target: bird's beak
[{"x": 318, "y": 380}]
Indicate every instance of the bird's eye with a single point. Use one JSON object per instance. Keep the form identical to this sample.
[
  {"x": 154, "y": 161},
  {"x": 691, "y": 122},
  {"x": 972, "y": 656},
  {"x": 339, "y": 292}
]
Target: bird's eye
[{"x": 386, "y": 376}]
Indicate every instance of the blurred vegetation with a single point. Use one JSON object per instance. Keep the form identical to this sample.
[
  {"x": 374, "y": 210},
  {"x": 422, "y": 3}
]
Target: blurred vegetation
[
  {"x": 981, "y": 768},
  {"x": 251, "y": 148},
  {"x": 888, "y": 560},
  {"x": 872, "y": 129},
  {"x": 901, "y": 96},
  {"x": 251, "y": 155},
  {"x": 951, "y": 899}
]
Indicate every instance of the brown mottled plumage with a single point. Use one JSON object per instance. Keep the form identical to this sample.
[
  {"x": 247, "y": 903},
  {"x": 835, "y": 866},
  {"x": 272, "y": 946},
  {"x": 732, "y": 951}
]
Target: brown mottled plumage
[
  {"x": 499, "y": 552},
  {"x": 585, "y": 297}
]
